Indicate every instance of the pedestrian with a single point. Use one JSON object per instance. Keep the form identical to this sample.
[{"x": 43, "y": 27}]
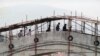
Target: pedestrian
[
  {"x": 64, "y": 27},
  {"x": 57, "y": 27},
  {"x": 20, "y": 34}
]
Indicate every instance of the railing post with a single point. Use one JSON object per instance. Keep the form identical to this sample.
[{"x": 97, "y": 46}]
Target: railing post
[
  {"x": 96, "y": 29},
  {"x": 83, "y": 27}
]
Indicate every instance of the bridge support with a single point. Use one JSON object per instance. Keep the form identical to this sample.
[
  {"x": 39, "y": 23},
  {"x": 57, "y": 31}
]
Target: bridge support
[{"x": 96, "y": 37}]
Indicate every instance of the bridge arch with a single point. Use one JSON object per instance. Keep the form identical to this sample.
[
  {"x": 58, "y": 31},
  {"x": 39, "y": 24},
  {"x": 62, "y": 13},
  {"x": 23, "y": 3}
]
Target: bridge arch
[{"x": 53, "y": 37}]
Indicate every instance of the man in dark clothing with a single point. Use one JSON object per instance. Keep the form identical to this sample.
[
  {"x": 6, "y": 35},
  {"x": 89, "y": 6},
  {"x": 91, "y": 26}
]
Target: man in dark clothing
[
  {"x": 57, "y": 27},
  {"x": 20, "y": 34},
  {"x": 64, "y": 27},
  {"x": 30, "y": 32}
]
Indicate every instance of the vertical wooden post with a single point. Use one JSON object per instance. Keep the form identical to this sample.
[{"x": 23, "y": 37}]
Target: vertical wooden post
[
  {"x": 41, "y": 27},
  {"x": 36, "y": 39},
  {"x": 69, "y": 27},
  {"x": 41, "y": 24},
  {"x": 24, "y": 30},
  {"x": 75, "y": 21},
  {"x": 96, "y": 42},
  {"x": 82, "y": 24},
  {"x": 83, "y": 27},
  {"x": 96, "y": 37},
  {"x": 54, "y": 22},
  {"x": 69, "y": 24},
  {"x": 11, "y": 46}
]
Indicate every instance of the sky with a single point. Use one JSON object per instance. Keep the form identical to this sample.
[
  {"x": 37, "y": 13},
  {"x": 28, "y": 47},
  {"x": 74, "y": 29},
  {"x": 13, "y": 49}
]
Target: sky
[{"x": 14, "y": 11}]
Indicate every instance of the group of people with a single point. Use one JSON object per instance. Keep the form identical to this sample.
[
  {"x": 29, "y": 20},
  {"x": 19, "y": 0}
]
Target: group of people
[
  {"x": 57, "y": 27},
  {"x": 22, "y": 33}
]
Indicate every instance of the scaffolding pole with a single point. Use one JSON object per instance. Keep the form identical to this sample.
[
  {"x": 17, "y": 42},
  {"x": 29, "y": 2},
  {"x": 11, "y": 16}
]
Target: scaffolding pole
[
  {"x": 96, "y": 37},
  {"x": 11, "y": 46},
  {"x": 36, "y": 39},
  {"x": 69, "y": 26}
]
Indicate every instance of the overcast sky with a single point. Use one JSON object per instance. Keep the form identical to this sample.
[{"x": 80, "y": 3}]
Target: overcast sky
[{"x": 14, "y": 11}]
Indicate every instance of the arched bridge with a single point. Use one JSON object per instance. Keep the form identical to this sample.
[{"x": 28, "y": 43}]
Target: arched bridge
[{"x": 77, "y": 37}]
